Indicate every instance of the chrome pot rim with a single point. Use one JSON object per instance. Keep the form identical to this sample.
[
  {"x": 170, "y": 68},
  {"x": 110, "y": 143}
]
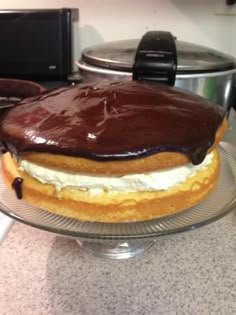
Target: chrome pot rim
[{"x": 85, "y": 67}]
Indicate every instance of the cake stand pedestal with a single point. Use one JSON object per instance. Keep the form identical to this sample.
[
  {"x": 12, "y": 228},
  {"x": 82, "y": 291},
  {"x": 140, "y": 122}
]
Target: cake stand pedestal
[{"x": 116, "y": 249}]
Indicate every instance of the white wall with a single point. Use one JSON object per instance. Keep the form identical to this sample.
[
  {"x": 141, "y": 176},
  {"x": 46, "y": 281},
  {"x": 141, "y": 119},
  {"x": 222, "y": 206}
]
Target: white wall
[{"x": 106, "y": 20}]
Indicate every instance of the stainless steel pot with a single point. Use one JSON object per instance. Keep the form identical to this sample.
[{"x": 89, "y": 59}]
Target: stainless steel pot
[{"x": 201, "y": 70}]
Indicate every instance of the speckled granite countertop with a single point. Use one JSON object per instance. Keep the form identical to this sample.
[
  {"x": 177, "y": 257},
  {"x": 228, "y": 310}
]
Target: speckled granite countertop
[{"x": 188, "y": 273}]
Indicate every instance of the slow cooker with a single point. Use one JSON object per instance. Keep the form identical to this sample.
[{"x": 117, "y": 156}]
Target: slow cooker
[{"x": 199, "y": 69}]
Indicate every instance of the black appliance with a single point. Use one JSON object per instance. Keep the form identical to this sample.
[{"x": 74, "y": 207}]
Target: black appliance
[{"x": 36, "y": 44}]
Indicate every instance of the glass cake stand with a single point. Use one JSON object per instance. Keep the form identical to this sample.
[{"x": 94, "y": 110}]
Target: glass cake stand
[{"x": 124, "y": 240}]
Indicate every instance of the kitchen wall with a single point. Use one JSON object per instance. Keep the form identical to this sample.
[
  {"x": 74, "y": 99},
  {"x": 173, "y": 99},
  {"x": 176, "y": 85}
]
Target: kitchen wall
[{"x": 199, "y": 21}]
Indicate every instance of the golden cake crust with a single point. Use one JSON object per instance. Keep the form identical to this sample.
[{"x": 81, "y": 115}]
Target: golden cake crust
[
  {"x": 157, "y": 161},
  {"x": 115, "y": 206}
]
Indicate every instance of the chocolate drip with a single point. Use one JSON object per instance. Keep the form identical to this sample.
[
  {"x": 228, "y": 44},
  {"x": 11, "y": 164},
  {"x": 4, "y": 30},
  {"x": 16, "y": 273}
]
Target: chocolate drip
[
  {"x": 17, "y": 186},
  {"x": 113, "y": 121}
]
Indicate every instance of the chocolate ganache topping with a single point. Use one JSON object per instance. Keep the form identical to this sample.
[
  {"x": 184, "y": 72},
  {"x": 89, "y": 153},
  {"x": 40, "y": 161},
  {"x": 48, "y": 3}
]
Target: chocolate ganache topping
[{"x": 112, "y": 121}]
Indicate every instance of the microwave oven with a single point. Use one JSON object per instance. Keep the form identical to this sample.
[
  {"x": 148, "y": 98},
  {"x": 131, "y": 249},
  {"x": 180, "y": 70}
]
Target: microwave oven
[{"x": 36, "y": 44}]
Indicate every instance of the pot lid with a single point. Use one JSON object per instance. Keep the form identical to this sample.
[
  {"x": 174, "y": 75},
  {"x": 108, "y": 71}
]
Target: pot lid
[{"x": 191, "y": 58}]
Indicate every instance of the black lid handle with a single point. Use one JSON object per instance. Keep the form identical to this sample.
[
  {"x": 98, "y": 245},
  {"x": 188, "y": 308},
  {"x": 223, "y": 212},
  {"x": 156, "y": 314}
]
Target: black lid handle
[{"x": 156, "y": 58}]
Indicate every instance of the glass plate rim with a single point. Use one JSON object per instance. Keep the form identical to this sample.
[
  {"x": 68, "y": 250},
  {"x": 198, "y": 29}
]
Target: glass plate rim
[{"x": 95, "y": 236}]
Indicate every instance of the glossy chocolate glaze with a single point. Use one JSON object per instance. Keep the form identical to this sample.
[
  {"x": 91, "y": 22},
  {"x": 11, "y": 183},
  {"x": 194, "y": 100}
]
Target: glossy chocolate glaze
[
  {"x": 112, "y": 121},
  {"x": 19, "y": 88},
  {"x": 17, "y": 186}
]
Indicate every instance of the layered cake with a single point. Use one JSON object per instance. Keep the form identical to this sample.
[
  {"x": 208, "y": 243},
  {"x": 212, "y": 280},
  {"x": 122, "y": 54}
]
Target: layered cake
[{"x": 112, "y": 152}]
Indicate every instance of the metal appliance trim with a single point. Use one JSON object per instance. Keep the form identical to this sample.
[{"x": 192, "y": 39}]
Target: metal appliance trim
[{"x": 98, "y": 70}]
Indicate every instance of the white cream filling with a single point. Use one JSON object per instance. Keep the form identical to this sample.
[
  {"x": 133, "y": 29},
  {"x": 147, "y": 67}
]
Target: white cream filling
[{"x": 157, "y": 180}]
